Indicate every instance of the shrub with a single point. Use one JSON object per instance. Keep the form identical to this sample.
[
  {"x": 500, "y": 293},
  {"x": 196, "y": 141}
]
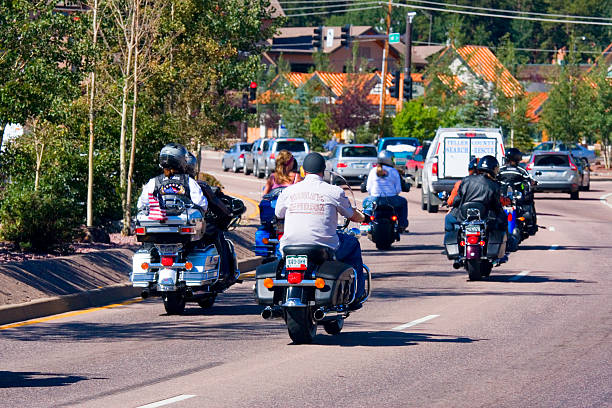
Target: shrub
[
  {"x": 210, "y": 180},
  {"x": 37, "y": 220}
]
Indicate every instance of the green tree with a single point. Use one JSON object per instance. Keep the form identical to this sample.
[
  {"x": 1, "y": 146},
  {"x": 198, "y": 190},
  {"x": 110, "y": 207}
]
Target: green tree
[
  {"x": 416, "y": 120},
  {"x": 599, "y": 119},
  {"x": 43, "y": 58}
]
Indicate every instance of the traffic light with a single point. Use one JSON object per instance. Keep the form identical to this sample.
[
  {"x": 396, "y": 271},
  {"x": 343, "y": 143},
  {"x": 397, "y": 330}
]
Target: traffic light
[
  {"x": 317, "y": 38},
  {"x": 345, "y": 37},
  {"x": 395, "y": 84},
  {"x": 253, "y": 91},
  {"x": 407, "y": 87}
]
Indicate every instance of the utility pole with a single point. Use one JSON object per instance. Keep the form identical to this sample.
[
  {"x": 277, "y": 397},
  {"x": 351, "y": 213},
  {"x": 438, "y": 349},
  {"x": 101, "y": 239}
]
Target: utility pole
[
  {"x": 384, "y": 73},
  {"x": 408, "y": 55}
]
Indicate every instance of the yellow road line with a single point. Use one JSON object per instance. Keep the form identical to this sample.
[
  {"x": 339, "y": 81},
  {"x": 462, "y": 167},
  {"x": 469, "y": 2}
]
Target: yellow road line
[
  {"x": 250, "y": 200},
  {"x": 70, "y": 314}
]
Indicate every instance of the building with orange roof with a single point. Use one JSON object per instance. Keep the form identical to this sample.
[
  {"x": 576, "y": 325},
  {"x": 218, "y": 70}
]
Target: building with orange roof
[{"x": 535, "y": 104}]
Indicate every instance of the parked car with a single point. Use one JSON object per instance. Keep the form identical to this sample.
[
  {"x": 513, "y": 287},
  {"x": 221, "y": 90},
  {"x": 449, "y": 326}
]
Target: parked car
[
  {"x": 575, "y": 149},
  {"x": 559, "y": 172},
  {"x": 414, "y": 165},
  {"x": 402, "y": 148},
  {"x": 265, "y": 163},
  {"x": 351, "y": 161},
  {"x": 448, "y": 158},
  {"x": 255, "y": 155},
  {"x": 235, "y": 157}
]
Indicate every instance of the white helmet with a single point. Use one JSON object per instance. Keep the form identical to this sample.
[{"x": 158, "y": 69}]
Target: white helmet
[{"x": 386, "y": 157}]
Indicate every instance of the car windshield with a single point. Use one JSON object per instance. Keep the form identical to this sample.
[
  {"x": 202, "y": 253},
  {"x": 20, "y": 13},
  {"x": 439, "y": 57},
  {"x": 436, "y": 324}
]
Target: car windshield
[
  {"x": 400, "y": 145},
  {"x": 561, "y": 160},
  {"x": 246, "y": 147},
  {"x": 292, "y": 146},
  {"x": 359, "y": 151}
]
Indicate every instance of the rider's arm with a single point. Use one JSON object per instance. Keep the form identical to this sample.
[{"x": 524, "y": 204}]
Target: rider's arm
[
  {"x": 196, "y": 195},
  {"x": 357, "y": 216},
  {"x": 148, "y": 188},
  {"x": 397, "y": 182},
  {"x": 453, "y": 193},
  {"x": 281, "y": 206},
  {"x": 268, "y": 186},
  {"x": 371, "y": 177}
]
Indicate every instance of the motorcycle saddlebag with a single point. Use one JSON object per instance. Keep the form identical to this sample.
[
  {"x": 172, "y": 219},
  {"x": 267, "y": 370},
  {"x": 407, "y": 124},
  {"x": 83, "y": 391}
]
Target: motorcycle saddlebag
[
  {"x": 339, "y": 280},
  {"x": 266, "y": 211},
  {"x": 263, "y": 295},
  {"x": 496, "y": 245},
  {"x": 451, "y": 245}
]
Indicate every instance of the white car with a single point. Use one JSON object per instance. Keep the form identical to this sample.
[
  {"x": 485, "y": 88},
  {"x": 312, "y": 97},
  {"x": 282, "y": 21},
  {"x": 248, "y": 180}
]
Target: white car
[{"x": 449, "y": 156}]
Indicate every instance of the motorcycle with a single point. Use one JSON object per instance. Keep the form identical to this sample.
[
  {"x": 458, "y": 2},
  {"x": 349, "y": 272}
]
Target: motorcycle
[
  {"x": 173, "y": 263},
  {"x": 477, "y": 247},
  {"x": 307, "y": 287},
  {"x": 516, "y": 222},
  {"x": 382, "y": 227},
  {"x": 266, "y": 235}
]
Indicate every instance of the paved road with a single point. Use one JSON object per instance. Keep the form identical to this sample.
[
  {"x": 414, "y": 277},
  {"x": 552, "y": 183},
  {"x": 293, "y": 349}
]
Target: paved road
[{"x": 537, "y": 334}]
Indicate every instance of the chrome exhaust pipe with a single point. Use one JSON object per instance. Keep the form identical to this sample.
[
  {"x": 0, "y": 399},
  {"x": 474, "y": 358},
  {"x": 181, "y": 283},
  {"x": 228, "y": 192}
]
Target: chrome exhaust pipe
[
  {"x": 270, "y": 313},
  {"x": 144, "y": 294},
  {"x": 319, "y": 314}
]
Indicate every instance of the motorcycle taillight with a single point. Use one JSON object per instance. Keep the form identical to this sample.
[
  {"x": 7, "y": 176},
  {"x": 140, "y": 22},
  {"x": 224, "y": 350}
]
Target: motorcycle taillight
[
  {"x": 167, "y": 260},
  {"x": 473, "y": 239},
  {"x": 295, "y": 277}
]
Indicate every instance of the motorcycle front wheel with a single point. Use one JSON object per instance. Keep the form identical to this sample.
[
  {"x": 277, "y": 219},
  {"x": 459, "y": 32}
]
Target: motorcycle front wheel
[
  {"x": 300, "y": 325},
  {"x": 174, "y": 303}
]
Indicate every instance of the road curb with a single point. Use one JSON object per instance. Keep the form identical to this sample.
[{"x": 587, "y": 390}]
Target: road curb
[{"x": 91, "y": 298}]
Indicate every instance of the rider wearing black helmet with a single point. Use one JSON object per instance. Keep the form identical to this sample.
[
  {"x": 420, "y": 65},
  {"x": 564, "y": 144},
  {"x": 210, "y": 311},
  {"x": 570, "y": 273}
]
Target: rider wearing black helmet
[
  {"x": 173, "y": 181},
  {"x": 480, "y": 188},
  {"x": 513, "y": 173}
]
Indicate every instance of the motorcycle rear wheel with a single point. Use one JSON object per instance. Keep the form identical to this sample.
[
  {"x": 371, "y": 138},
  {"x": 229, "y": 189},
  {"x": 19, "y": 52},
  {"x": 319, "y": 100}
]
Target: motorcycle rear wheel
[
  {"x": 207, "y": 302},
  {"x": 300, "y": 325},
  {"x": 333, "y": 327},
  {"x": 174, "y": 303},
  {"x": 474, "y": 269}
]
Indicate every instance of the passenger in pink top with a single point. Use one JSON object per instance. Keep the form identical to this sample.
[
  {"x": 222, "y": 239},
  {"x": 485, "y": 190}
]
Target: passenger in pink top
[{"x": 285, "y": 173}]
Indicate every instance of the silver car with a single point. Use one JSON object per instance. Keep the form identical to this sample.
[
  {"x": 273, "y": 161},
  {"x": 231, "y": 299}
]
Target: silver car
[
  {"x": 235, "y": 157},
  {"x": 351, "y": 161},
  {"x": 255, "y": 158},
  {"x": 575, "y": 149},
  {"x": 266, "y": 163},
  {"x": 559, "y": 172}
]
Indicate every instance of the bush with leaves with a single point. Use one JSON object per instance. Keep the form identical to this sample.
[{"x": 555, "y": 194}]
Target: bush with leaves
[{"x": 37, "y": 220}]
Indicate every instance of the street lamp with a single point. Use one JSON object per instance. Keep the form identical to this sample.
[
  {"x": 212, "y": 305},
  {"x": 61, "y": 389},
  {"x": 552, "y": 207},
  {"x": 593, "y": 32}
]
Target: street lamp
[{"x": 408, "y": 56}]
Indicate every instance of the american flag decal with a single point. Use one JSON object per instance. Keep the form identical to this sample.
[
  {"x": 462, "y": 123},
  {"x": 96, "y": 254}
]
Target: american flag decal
[{"x": 156, "y": 213}]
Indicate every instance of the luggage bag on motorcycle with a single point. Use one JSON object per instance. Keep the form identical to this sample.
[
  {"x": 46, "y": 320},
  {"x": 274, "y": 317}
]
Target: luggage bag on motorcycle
[
  {"x": 451, "y": 244},
  {"x": 339, "y": 281},
  {"x": 496, "y": 243},
  {"x": 263, "y": 295}
]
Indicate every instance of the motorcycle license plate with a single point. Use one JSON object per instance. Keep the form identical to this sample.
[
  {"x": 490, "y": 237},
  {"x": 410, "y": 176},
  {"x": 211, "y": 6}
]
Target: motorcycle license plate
[
  {"x": 472, "y": 228},
  {"x": 296, "y": 262}
]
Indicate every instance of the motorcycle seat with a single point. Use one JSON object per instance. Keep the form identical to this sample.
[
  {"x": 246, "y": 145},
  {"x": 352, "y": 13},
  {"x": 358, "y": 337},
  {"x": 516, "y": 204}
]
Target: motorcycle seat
[
  {"x": 315, "y": 253},
  {"x": 468, "y": 213}
]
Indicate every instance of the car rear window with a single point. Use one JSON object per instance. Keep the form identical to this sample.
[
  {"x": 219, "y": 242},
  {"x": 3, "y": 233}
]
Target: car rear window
[
  {"x": 359, "y": 151},
  {"x": 291, "y": 146},
  {"x": 552, "y": 160},
  {"x": 400, "y": 142},
  {"x": 246, "y": 148}
]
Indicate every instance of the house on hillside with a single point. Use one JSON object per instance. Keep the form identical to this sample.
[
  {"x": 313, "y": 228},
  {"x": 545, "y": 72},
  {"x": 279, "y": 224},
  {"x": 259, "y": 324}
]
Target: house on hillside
[{"x": 295, "y": 46}]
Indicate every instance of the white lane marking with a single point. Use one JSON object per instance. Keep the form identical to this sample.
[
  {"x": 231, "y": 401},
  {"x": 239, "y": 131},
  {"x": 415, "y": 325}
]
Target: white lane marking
[
  {"x": 551, "y": 229},
  {"x": 604, "y": 200},
  {"x": 519, "y": 275},
  {"x": 553, "y": 247},
  {"x": 415, "y": 322},
  {"x": 167, "y": 401}
]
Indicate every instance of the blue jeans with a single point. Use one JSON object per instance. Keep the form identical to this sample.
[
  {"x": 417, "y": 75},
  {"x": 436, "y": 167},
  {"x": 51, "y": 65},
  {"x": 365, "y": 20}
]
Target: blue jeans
[
  {"x": 398, "y": 202},
  {"x": 349, "y": 252}
]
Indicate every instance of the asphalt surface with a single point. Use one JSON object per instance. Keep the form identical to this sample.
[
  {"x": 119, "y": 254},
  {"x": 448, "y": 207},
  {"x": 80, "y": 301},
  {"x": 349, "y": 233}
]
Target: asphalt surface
[{"x": 536, "y": 334}]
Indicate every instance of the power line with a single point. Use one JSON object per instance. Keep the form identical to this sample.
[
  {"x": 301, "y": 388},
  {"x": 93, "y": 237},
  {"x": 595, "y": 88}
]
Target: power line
[
  {"x": 328, "y": 6},
  {"x": 509, "y": 11},
  {"x": 333, "y": 11},
  {"x": 472, "y": 13}
]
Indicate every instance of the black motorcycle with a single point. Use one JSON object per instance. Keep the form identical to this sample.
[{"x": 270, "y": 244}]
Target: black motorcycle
[
  {"x": 382, "y": 228},
  {"x": 476, "y": 246}
]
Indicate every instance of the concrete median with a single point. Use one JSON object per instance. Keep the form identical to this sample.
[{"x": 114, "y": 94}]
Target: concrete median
[{"x": 101, "y": 296}]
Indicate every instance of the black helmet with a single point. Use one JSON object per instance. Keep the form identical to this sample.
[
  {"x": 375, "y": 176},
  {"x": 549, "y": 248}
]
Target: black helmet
[
  {"x": 172, "y": 156},
  {"x": 514, "y": 155},
  {"x": 488, "y": 164},
  {"x": 473, "y": 164},
  {"x": 191, "y": 164},
  {"x": 314, "y": 163}
]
